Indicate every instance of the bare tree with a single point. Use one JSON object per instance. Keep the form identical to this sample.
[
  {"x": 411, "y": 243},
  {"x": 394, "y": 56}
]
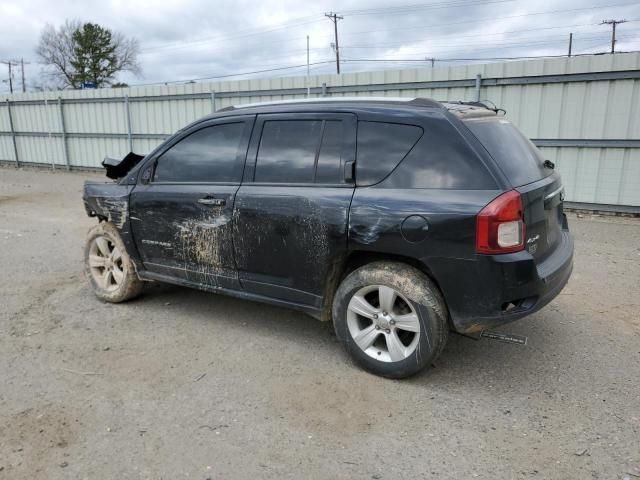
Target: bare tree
[
  {"x": 78, "y": 53},
  {"x": 55, "y": 48}
]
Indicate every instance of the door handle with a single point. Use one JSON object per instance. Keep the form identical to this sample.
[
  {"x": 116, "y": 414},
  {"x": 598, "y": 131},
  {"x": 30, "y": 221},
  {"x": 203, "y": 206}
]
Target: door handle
[{"x": 216, "y": 202}]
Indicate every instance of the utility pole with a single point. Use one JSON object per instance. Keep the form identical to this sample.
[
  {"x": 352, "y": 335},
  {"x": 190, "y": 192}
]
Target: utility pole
[
  {"x": 334, "y": 18},
  {"x": 10, "y": 63},
  {"x": 613, "y": 24},
  {"x": 570, "y": 43}
]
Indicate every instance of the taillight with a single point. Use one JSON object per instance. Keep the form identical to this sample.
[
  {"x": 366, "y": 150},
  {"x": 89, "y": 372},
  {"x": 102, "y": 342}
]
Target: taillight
[{"x": 500, "y": 225}]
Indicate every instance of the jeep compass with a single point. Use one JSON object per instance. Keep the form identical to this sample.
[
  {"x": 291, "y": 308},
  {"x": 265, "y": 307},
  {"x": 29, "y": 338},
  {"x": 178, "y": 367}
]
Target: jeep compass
[{"x": 399, "y": 220}]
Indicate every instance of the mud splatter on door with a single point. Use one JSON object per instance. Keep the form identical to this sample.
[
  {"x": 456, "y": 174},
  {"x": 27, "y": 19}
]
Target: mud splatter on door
[{"x": 181, "y": 236}]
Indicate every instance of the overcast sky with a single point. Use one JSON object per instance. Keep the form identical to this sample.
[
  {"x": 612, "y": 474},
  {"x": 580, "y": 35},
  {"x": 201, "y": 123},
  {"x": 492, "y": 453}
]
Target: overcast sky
[{"x": 192, "y": 39}]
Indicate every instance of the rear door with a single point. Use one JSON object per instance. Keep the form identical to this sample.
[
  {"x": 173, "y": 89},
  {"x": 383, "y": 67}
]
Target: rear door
[
  {"x": 181, "y": 209},
  {"x": 292, "y": 210},
  {"x": 541, "y": 188}
]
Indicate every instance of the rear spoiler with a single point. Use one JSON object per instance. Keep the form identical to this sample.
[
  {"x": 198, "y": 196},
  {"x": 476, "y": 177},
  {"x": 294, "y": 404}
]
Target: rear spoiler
[{"x": 119, "y": 168}]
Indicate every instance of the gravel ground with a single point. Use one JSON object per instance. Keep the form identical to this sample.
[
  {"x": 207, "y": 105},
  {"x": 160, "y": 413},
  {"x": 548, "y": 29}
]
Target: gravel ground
[{"x": 185, "y": 384}]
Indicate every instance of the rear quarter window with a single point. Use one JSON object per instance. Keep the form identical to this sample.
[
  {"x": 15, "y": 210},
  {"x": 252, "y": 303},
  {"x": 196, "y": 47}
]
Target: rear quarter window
[
  {"x": 381, "y": 147},
  {"x": 442, "y": 159},
  {"x": 518, "y": 158}
]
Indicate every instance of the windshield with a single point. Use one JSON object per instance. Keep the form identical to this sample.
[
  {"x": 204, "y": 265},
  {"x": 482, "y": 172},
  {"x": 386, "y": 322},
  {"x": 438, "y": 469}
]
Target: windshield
[{"x": 518, "y": 158}]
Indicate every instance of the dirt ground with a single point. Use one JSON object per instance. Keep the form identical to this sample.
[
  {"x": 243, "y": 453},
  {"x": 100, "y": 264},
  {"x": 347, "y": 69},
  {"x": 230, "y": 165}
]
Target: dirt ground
[{"x": 185, "y": 384}]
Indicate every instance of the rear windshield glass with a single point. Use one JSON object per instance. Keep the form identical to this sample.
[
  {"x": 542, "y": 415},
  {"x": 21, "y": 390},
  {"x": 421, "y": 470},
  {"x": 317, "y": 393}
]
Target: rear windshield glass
[{"x": 517, "y": 157}]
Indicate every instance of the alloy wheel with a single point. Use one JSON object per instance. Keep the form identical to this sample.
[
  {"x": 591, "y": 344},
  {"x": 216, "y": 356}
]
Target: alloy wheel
[
  {"x": 105, "y": 262},
  {"x": 383, "y": 323}
]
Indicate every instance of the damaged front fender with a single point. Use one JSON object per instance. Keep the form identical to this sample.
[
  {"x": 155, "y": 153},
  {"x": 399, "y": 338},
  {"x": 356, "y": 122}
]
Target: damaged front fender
[{"x": 110, "y": 202}]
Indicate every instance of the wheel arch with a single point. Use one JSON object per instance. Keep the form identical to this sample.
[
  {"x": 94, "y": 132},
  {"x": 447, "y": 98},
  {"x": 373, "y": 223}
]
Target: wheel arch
[{"x": 358, "y": 258}]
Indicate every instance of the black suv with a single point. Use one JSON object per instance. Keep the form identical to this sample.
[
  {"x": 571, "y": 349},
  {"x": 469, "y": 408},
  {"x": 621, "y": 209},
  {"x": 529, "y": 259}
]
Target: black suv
[{"x": 398, "y": 220}]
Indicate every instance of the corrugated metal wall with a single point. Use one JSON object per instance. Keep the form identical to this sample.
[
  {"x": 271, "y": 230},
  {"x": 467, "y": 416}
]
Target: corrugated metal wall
[{"x": 583, "y": 112}]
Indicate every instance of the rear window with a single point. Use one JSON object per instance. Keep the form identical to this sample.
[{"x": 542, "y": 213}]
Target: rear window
[
  {"x": 381, "y": 147},
  {"x": 518, "y": 158}
]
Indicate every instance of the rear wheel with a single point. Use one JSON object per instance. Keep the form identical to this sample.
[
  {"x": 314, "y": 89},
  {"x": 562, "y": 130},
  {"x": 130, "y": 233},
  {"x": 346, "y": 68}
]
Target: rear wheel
[
  {"x": 108, "y": 266},
  {"x": 391, "y": 318}
]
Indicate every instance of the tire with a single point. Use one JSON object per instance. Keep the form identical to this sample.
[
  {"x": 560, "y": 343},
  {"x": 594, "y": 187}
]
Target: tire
[
  {"x": 405, "y": 340},
  {"x": 108, "y": 267}
]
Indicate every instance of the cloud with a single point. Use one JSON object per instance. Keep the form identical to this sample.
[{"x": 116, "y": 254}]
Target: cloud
[{"x": 182, "y": 40}]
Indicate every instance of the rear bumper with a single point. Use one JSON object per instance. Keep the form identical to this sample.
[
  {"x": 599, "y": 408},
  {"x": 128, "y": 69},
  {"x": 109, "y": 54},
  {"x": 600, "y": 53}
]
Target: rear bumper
[{"x": 496, "y": 289}]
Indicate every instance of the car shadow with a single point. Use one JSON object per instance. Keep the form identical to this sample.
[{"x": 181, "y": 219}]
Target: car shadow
[
  {"x": 498, "y": 366},
  {"x": 246, "y": 313},
  {"x": 463, "y": 361}
]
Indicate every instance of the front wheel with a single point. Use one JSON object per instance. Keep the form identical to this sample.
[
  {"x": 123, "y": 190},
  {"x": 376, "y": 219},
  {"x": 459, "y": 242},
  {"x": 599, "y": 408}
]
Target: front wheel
[
  {"x": 108, "y": 266},
  {"x": 391, "y": 318}
]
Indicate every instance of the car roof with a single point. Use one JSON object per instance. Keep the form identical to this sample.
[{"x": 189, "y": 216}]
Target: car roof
[{"x": 355, "y": 104}]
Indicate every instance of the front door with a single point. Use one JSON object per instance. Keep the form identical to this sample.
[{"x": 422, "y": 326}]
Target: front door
[
  {"x": 291, "y": 212},
  {"x": 181, "y": 217}
]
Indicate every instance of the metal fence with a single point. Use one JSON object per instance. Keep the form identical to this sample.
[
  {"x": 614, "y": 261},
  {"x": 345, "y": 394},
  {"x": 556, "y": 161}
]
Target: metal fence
[{"x": 583, "y": 112}]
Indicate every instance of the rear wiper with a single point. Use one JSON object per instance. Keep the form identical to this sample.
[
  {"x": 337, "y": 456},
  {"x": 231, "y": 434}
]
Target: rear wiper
[{"x": 549, "y": 164}]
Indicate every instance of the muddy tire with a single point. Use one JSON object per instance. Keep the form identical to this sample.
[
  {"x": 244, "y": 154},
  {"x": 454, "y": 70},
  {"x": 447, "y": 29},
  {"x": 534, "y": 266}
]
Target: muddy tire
[
  {"x": 108, "y": 266},
  {"x": 391, "y": 318}
]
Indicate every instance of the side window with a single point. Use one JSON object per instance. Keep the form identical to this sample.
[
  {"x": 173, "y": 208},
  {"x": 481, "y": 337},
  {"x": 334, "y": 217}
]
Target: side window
[
  {"x": 300, "y": 151},
  {"x": 207, "y": 155},
  {"x": 381, "y": 147},
  {"x": 287, "y": 151}
]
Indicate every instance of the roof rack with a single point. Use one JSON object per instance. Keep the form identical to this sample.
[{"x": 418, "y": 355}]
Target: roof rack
[
  {"x": 424, "y": 102},
  {"x": 491, "y": 107}
]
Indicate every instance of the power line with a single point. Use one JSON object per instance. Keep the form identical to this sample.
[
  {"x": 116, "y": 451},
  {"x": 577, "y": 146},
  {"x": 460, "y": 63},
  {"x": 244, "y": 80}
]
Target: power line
[
  {"x": 409, "y": 61},
  {"x": 490, "y": 19},
  {"x": 413, "y": 60},
  {"x": 247, "y": 33},
  {"x": 412, "y": 8},
  {"x": 448, "y": 45},
  {"x": 232, "y": 74},
  {"x": 475, "y": 35},
  {"x": 417, "y": 40},
  {"x": 492, "y": 48},
  {"x": 300, "y": 21},
  {"x": 388, "y": 10},
  {"x": 520, "y": 42},
  {"x": 258, "y": 71},
  {"x": 185, "y": 44}
]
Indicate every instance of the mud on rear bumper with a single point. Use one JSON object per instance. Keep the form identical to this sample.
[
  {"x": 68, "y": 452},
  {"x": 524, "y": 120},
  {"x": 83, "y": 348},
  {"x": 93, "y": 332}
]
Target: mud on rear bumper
[{"x": 498, "y": 289}]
